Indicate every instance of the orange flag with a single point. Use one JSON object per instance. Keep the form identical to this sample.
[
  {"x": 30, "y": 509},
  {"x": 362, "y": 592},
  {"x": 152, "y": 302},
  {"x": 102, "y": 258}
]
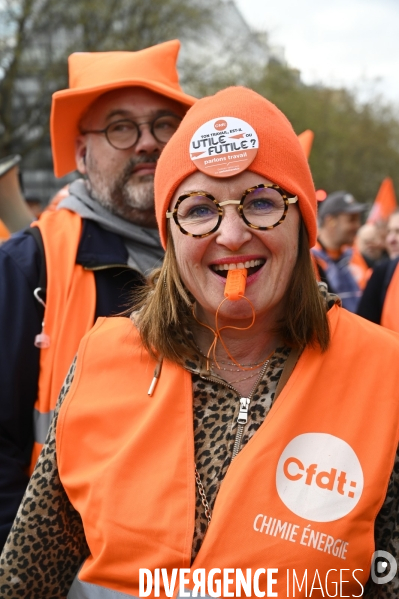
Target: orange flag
[
  {"x": 306, "y": 141},
  {"x": 384, "y": 203}
]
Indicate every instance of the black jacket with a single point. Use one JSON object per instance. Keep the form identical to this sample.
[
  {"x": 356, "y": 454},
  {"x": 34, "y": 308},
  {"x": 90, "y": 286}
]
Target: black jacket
[
  {"x": 21, "y": 268},
  {"x": 372, "y": 301}
]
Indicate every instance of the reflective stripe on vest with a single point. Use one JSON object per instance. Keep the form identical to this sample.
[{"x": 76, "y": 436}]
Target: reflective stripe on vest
[
  {"x": 390, "y": 310},
  {"x": 69, "y": 312},
  {"x": 41, "y": 424},
  {"x": 304, "y": 492},
  {"x": 86, "y": 590}
]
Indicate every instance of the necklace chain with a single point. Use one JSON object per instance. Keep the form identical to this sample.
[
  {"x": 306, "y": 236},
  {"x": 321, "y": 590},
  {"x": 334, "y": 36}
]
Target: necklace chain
[
  {"x": 252, "y": 366},
  {"x": 229, "y": 363},
  {"x": 255, "y": 367},
  {"x": 204, "y": 501},
  {"x": 254, "y": 373}
]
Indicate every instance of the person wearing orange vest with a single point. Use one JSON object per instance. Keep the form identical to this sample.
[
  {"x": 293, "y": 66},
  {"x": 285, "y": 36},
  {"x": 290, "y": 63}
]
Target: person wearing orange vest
[
  {"x": 227, "y": 433},
  {"x": 84, "y": 258}
]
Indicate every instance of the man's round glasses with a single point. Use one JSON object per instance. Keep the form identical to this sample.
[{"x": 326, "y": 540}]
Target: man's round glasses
[
  {"x": 124, "y": 134},
  {"x": 261, "y": 207}
]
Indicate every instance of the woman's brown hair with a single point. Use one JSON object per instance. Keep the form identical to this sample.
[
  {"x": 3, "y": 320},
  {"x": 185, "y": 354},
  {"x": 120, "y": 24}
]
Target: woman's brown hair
[{"x": 164, "y": 308}]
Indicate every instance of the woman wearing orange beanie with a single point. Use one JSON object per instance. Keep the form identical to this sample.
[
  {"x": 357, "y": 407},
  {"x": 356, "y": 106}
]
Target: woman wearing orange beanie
[{"x": 223, "y": 440}]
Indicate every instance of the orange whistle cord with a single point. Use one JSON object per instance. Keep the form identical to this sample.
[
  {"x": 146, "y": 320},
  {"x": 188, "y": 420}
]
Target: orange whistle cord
[
  {"x": 234, "y": 290},
  {"x": 219, "y": 336}
]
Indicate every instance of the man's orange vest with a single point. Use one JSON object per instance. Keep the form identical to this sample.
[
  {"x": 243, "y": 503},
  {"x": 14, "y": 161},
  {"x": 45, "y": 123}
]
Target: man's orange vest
[
  {"x": 69, "y": 312},
  {"x": 390, "y": 310},
  {"x": 302, "y": 494},
  {"x": 359, "y": 268}
]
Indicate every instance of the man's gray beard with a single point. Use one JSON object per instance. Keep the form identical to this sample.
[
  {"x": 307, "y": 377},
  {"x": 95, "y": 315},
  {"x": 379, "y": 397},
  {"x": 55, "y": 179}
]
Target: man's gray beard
[{"x": 133, "y": 202}]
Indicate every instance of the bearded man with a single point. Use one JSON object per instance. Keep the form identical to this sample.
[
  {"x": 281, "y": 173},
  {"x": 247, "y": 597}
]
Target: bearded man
[{"x": 83, "y": 258}]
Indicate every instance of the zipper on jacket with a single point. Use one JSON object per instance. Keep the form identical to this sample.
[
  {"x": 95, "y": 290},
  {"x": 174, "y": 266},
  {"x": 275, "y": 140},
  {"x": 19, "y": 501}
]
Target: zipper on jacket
[{"x": 242, "y": 417}]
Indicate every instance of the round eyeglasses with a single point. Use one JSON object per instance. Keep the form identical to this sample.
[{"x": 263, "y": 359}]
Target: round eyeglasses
[
  {"x": 124, "y": 134},
  {"x": 262, "y": 207}
]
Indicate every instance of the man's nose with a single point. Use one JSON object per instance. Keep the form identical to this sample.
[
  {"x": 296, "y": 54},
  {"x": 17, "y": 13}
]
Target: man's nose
[
  {"x": 147, "y": 143},
  {"x": 233, "y": 232}
]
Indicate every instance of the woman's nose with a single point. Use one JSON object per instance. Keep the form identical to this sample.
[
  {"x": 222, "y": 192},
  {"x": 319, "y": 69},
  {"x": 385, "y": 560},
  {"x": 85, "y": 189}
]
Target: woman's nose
[{"x": 233, "y": 232}]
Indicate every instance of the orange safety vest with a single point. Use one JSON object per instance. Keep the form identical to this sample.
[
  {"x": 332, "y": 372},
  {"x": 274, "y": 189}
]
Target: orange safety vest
[
  {"x": 390, "y": 310},
  {"x": 69, "y": 313},
  {"x": 302, "y": 494}
]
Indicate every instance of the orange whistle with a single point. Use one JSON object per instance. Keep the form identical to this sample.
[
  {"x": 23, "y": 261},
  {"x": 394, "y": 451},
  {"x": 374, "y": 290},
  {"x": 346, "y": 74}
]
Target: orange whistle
[{"x": 235, "y": 284}]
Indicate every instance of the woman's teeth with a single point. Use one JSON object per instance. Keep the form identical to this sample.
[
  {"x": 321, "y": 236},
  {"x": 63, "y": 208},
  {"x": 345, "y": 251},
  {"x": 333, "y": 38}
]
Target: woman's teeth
[{"x": 247, "y": 264}]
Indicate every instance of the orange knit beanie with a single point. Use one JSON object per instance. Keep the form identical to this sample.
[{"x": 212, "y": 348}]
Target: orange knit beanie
[{"x": 280, "y": 157}]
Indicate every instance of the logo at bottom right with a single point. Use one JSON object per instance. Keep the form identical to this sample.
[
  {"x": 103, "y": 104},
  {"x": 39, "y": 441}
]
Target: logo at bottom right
[{"x": 383, "y": 567}]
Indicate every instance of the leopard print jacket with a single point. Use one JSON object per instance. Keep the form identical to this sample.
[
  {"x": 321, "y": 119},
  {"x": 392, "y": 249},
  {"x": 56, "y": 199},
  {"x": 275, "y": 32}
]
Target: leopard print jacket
[{"x": 47, "y": 545}]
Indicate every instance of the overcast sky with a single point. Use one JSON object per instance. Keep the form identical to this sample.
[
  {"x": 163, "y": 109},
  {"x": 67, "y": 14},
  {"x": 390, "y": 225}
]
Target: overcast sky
[{"x": 354, "y": 43}]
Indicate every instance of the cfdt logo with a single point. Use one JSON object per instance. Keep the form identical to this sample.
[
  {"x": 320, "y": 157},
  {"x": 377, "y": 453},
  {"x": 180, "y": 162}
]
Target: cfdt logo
[
  {"x": 383, "y": 567},
  {"x": 220, "y": 125},
  {"x": 319, "y": 477}
]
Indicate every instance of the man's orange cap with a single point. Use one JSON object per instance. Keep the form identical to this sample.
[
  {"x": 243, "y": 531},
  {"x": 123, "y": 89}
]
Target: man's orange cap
[
  {"x": 91, "y": 74},
  {"x": 280, "y": 157}
]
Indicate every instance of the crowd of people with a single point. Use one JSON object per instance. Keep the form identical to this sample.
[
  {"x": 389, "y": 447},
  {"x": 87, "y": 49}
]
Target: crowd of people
[
  {"x": 223, "y": 387},
  {"x": 357, "y": 261}
]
